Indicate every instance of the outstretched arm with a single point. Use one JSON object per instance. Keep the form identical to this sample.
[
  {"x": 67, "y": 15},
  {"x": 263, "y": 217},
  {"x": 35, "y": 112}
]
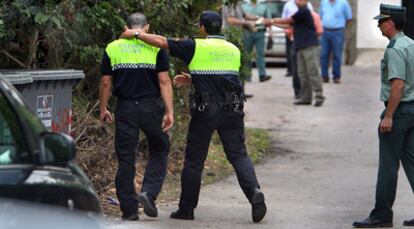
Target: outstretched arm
[
  {"x": 280, "y": 22},
  {"x": 234, "y": 21},
  {"x": 151, "y": 39},
  {"x": 283, "y": 26},
  {"x": 285, "y": 21}
]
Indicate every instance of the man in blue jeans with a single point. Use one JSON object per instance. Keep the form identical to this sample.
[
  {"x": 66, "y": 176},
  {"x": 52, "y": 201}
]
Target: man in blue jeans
[{"x": 335, "y": 15}]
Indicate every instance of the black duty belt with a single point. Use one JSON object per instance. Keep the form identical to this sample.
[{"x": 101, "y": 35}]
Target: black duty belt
[
  {"x": 216, "y": 99},
  {"x": 403, "y": 103},
  {"x": 139, "y": 99},
  {"x": 231, "y": 99}
]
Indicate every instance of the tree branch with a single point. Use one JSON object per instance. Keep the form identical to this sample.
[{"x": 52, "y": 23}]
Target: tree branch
[
  {"x": 33, "y": 44},
  {"x": 21, "y": 64}
]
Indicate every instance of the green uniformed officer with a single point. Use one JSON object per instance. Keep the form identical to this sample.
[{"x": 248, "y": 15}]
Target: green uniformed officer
[
  {"x": 396, "y": 129},
  {"x": 257, "y": 38}
]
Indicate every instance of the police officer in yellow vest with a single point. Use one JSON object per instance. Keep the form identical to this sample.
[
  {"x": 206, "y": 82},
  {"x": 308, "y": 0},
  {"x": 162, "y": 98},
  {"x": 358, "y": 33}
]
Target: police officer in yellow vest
[
  {"x": 217, "y": 105},
  {"x": 138, "y": 75},
  {"x": 396, "y": 129}
]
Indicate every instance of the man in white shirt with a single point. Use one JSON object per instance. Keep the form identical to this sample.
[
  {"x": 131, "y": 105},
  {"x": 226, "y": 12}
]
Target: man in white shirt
[{"x": 290, "y": 8}]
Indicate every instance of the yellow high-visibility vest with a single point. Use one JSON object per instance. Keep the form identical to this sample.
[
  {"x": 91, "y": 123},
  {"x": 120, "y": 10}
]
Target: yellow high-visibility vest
[
  {"x": 215, "y": 56},
  {"x": 132, "y": 53}
]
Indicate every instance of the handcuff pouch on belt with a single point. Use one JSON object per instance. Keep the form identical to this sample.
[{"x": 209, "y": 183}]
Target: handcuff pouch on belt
[
  {"x": 199, "y": 101},
  {"x": 238, "y": 102}
]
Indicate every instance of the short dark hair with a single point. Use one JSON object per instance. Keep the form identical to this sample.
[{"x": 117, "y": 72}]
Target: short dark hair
[
  {"x": 211, "y": 21},
  {"x": 136, "y": 20},
  {"x": 399, "y": 23},
  {"x": 213, "y": 29}
]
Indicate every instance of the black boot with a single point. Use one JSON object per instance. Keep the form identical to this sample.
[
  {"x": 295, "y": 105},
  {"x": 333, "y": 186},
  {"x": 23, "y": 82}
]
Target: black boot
[
  {"x": 130, "y": 217},
  {"x": 181, "y": 214},
  {"x": 372, "y": 223},
  {"x": 150, "y": 209},
  {"x": 409, "y": 223},
  {"x": 258, "y": 206}
]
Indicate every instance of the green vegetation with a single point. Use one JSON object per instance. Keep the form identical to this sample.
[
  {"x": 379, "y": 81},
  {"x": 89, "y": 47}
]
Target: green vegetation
[{"x": 50, "y": 34}]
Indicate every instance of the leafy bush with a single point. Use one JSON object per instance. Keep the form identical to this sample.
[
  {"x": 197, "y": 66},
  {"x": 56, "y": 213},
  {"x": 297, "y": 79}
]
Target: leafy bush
[{"x": 73, "y": 34}]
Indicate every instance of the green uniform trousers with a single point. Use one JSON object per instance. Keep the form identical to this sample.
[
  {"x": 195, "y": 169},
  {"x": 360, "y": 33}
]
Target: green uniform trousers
[
  {"x": 308, "y": 71},
  {"x": 394, "y": 146},
  {"x": 257, "y": 40}
]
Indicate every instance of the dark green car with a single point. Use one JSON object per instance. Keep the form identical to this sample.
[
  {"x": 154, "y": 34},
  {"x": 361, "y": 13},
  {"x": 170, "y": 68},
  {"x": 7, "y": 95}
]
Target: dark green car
[{"x": 36, "y": 165}]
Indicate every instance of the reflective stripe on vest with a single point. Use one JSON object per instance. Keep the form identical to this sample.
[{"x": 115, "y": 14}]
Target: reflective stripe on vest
[
  {"x": 131, "y": 53},
  {"x": 214, "y": 56}
]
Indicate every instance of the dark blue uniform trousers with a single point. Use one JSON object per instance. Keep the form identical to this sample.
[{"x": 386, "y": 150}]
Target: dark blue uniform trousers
[
  {"x": 395, "y": 146},
  {"x": 230, "y": 127},
  {"x": 131, "y": 116},
  {"x": 294, "y": 66}
]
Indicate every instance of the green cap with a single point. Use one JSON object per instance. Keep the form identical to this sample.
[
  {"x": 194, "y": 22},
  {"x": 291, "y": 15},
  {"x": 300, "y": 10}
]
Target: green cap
[{"x": 391, "y": 11}]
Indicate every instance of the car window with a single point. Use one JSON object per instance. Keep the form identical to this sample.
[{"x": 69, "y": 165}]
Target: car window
[{"x": 12, "y": 146}]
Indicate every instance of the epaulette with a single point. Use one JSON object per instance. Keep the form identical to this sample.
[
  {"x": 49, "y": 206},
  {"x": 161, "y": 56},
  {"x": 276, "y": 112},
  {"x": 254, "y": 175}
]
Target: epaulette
[{"x": 391, "y": 44}]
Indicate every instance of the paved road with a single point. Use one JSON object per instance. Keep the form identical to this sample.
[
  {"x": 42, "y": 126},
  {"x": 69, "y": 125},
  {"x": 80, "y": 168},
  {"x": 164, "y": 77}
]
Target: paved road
[{"x": 324, "y": 173}]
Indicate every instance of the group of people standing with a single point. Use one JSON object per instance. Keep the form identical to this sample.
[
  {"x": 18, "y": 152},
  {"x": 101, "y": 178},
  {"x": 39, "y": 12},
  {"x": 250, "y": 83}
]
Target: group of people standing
[
  {"x": 136, "y": 66},
  {"x": 306, "y": 32}
]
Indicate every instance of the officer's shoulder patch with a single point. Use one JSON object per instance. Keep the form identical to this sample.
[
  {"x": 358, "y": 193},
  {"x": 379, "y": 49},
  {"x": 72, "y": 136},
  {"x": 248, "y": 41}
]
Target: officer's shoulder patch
[{"x": 391, "y": 44}]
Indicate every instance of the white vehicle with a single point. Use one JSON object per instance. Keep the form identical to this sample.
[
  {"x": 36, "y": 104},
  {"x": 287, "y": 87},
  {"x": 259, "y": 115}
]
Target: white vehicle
[{"x": 277, "y": 51}]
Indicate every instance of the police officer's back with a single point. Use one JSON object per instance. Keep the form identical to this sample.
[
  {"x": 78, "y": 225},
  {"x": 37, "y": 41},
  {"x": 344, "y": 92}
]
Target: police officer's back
[
  {"x": 217, "y": 104},
  {"x": 139, "y": 75}
]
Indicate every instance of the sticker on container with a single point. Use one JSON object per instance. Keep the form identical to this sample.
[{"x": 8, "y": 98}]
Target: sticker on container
[{"x": 44, "y": 109}]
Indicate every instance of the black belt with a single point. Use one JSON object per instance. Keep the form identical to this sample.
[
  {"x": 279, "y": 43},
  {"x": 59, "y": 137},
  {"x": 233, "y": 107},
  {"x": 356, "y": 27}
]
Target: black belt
[
  {"x": 139, "y": 99},
  {"x": 217, "y": 98},
  {"x": 332, "y": 29},
  {"x": 261, "y": 30},
  {"x": 231, "y": 99},
  {"x": 401, "y": 103}
]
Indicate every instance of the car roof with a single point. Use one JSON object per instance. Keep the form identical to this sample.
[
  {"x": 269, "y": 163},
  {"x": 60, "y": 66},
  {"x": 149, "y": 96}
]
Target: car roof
[{"x": 8, "y": 90}]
